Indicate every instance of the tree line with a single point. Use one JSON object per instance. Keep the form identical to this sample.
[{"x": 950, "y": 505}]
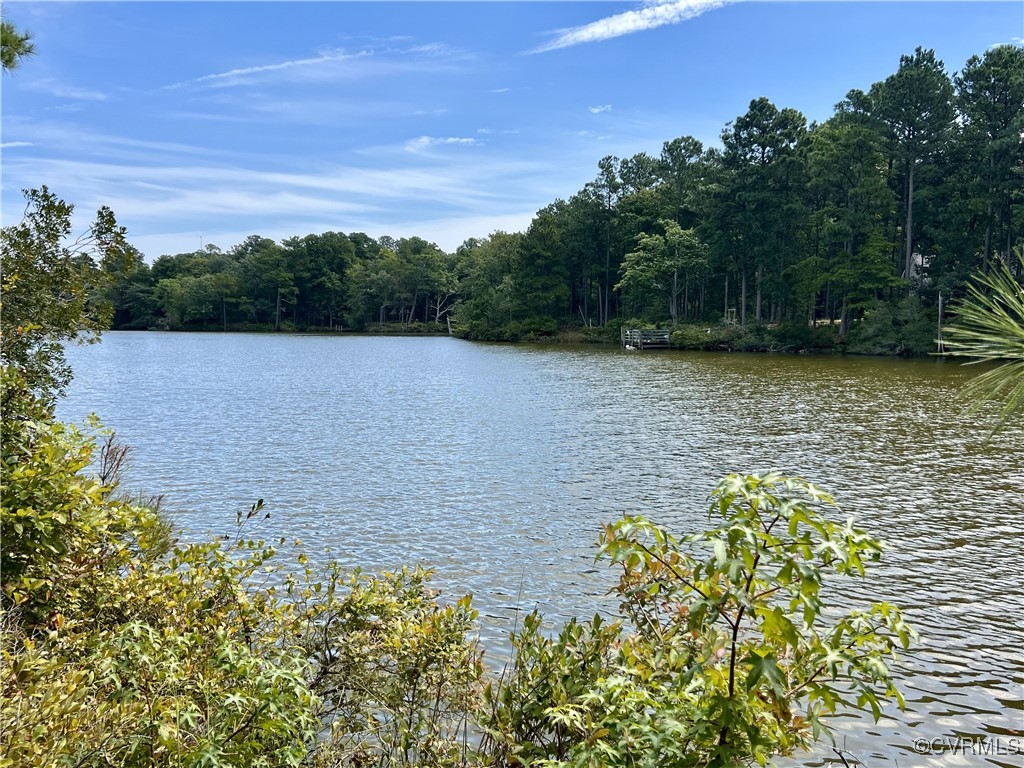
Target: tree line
[{"x": 886, "y": 207}]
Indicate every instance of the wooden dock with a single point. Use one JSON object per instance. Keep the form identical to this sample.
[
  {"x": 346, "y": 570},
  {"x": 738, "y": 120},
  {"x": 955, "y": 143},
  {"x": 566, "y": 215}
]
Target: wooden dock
[{"x": 642, "y": 338}]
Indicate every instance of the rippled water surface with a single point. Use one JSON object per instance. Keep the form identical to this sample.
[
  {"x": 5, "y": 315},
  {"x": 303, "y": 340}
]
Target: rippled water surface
[{"x": 497, "y": 464}]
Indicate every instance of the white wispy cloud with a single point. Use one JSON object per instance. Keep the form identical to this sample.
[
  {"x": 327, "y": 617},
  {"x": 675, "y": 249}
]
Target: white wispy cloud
[
  {"x": 13, "y": 144},
  {"x": 432, "y": 49},
  {"x": 233, "y": 76},
  {"x": 650, "y": 16},
  {"x": 334, "y": 63},
  {"x": 445, "y": 199},
  {"x": 78, "y": 139},
  {"x": 447, "y": 232},
  {"x": 450, "y": 231},
  {"x": 191, "y": 185},
  {"x": 272, "y": 106},
  {"x": 425, "y": 142},
  {"x": 499, "y": 90},
  {"x": 64, "y": 90},
  {"x": 600, "y": 109}
]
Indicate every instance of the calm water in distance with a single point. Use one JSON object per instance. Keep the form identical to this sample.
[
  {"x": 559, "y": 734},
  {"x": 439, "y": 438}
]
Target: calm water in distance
[{"x": 496, "y": 465}]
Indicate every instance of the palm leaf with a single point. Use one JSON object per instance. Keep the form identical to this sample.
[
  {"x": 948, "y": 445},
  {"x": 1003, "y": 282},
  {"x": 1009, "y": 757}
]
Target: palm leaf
[{"x": 990, "y": 328}]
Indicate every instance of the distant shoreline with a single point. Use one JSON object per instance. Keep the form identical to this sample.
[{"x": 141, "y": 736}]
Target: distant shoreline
[{"x": 688, "y": 337}]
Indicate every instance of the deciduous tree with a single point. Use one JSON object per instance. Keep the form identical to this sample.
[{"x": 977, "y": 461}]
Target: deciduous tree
[{"x": 46, "y": 285}]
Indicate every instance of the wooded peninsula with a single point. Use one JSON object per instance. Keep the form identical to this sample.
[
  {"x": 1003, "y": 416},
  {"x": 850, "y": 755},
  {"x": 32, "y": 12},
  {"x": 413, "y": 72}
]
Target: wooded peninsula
[{"x": 853, "y": 234}]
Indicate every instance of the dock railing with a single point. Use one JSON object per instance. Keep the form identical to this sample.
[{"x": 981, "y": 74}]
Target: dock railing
[{"x": 645, "y": 338}]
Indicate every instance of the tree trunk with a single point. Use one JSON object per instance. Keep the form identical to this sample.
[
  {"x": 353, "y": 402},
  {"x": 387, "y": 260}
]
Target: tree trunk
[
  {"x": 844, "y": 318},
  {"x": 725, "y": 312},
  {"x": 987, "y": 258},
  {"x": 759, "y": 277},
  {"x": 673, "y": 304},
  {"x": 909, "y": 254},
  {"x": 743, "y": 298},
  {"x": 607, "y": 281},
  {"x": 686, "y": 298}
]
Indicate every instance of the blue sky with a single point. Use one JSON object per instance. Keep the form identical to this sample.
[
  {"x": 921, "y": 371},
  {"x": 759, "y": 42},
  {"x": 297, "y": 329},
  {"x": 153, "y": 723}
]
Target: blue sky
[{"x": 202, "y": 122}]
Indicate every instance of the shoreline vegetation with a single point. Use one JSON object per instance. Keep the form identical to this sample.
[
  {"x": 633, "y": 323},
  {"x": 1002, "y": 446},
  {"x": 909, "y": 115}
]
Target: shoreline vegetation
[
  {"x": 878, "y": 338},
  {"x": 858, "y": 234}
]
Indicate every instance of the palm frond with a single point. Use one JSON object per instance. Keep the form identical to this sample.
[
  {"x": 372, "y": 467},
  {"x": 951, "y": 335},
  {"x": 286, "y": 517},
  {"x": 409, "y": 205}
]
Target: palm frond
[{"x": 990, "y": 328}]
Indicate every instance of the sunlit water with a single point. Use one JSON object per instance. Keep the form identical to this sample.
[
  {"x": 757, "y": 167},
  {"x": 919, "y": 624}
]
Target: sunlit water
[{"x": 497, "y": 464}]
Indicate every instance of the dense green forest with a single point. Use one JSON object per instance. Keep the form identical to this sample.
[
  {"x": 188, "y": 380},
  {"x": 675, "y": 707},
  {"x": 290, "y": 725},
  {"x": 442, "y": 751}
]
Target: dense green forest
[{"x": 861, "y": 226}]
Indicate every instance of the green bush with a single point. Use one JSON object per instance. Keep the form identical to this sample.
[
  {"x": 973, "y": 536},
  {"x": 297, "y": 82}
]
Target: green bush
[
  {"x": 121, "y": 648},
  {"x": 117, "y": 654},
  {"x": 710, "y": 337},
  {"x": 529, "y": 329},
  {"x": 790, "y": 337},
  {"x": 728, "y": 659},
  {"x": 903, "y": 327},
  {"x": 395, "y": 671},
  {"x": 534, "y": 329},
  {"x": 520, "y": 721},
  {"x": 801, "y": 337}
]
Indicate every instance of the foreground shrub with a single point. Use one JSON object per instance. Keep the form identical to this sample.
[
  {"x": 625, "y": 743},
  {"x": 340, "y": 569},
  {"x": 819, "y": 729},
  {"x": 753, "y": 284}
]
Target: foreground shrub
[
  {"x": 523, "y": 720},
  {"x": 723, "y": 656},
  {"x": 123, "y": 648},
  {"x": 396, "y": 672},
  {"x": 116, "y": 653}
]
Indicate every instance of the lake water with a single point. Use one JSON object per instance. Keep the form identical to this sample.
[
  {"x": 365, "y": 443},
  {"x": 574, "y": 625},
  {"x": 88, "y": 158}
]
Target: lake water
[{"x": 496, "y": 465}]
